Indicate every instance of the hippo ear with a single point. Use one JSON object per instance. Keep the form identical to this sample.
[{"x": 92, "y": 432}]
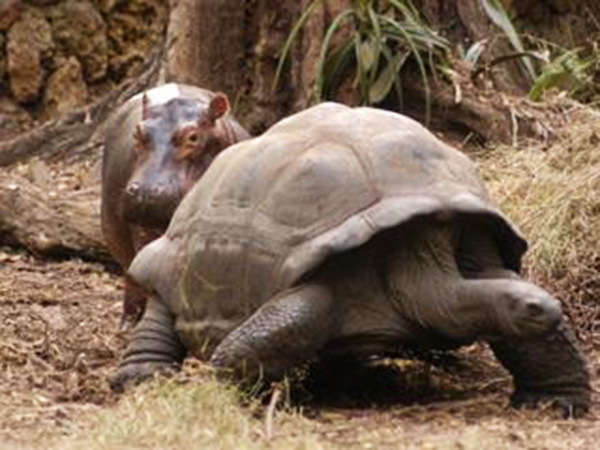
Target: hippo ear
[
  {"x": 145, "y": 106},
  {"x": 218, "y": 107}
]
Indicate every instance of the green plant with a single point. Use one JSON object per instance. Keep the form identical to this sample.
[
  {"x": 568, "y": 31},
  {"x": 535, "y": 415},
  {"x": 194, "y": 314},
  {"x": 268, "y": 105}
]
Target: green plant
[
  {"x": 497, "y": 14},
  {"x": 568, "y": 71},
  {"x": 376, "y": 39}
]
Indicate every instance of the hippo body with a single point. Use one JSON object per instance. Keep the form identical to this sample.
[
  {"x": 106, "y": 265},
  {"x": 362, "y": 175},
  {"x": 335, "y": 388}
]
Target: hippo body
[{"x": 157, "y": 145}]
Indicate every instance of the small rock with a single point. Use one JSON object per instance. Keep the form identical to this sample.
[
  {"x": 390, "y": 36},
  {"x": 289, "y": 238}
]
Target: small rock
[
  {"x": 66, "y": 88},
  {"x": 105, "y": 6},
  {"x": 10, "y": 10},
  {"x": 39, "y": 172},
  {"x": 52, "y": 315},
  {"x": 29, "y": 44}
]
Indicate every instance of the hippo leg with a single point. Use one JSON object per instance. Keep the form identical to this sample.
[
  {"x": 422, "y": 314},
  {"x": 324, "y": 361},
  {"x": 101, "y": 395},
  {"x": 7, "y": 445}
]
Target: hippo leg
[
  {"x": 544, "y": 368},
  {"x": 154, "y": 347},
  {"x": 133, "y": 304},
  {"x": 288, "y": 329}
]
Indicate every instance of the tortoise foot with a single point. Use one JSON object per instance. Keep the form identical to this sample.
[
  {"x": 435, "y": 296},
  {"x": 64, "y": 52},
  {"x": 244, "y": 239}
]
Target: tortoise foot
[{"x": 569, "y": 406}]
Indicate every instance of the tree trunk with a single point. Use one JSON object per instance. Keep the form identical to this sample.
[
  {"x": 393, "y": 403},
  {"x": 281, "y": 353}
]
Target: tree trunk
[
  {"x": 50, "y": 222},
  {"x": 205, "y": 44}
]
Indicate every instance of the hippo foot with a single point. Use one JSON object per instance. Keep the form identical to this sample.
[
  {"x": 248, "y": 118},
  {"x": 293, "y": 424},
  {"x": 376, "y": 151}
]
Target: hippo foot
[
  {"x": 133, "y": 374},
  {"x": 568, "y": 406}
]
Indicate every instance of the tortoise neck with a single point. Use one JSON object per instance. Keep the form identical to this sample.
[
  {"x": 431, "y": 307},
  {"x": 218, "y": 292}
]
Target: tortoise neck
[{"x": 427, "y": 289}]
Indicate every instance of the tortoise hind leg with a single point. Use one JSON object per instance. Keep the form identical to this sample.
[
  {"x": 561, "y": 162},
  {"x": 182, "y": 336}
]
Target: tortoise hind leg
[
  {"x": 154, "y": 347},
  {"x": 288, "y": 329},
  {"x": 549, "y": 368}
]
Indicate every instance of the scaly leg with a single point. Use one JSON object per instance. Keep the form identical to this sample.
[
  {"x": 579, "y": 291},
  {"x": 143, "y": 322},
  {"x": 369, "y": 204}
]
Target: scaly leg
[
  {"x": 426, "y": 278},
  {"x": 288, "y": 329},
  {"x": 546, "y": 368},
  {"x": 549, "y": 368}
]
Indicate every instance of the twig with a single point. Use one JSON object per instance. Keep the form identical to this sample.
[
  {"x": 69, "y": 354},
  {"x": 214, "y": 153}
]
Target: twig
[{"x": 271, "y": 412}]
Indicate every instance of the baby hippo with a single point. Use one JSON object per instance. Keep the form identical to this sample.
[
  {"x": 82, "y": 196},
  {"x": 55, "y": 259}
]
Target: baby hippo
[{"x": 157, "y": 145}]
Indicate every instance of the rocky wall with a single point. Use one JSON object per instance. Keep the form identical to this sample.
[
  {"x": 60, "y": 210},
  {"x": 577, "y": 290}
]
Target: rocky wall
[{"x": 56, "y": 55}]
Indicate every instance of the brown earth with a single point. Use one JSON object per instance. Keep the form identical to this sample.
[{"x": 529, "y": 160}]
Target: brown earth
[{"x": 59, "y": 342}]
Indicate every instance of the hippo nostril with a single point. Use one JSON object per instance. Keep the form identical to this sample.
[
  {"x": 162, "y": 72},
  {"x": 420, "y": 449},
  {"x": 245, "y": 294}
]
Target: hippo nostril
[{"x": 133, "y": 188}]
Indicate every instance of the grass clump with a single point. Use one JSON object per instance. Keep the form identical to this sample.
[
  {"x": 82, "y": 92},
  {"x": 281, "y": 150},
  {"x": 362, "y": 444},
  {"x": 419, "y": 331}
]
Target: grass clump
[
  {"x": 201, "y": 414},
  {"x": 552, "y": 192}
]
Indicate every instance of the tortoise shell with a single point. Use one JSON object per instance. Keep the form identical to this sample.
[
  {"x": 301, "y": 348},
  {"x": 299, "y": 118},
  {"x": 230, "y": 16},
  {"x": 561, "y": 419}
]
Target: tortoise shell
[{"x": 270, "y": 210}]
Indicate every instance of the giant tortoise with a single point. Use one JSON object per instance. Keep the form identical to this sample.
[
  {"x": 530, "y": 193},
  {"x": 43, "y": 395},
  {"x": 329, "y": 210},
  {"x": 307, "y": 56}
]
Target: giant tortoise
[{"x": 346, "y": 232}]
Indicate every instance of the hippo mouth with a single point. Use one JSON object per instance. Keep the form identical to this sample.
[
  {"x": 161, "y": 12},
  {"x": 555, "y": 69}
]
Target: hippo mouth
[{"x": 150, "y": 214}]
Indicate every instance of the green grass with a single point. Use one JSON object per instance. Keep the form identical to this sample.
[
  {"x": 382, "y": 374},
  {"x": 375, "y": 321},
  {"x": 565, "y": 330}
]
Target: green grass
[{"x": 202, "y": 414}]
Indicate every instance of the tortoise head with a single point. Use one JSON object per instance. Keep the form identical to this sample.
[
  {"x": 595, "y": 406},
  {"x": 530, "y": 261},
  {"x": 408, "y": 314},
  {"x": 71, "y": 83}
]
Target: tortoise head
[{"x": 524, "y": 309}]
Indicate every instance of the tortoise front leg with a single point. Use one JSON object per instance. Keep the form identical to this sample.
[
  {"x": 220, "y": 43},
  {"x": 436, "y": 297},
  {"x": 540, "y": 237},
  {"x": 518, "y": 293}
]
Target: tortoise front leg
[
  {"x": 154, "y": 347},
  {"x": 544, "y": 368},
  {"x": 549, "y": 368},
  {"x": 288, "y": 329}
]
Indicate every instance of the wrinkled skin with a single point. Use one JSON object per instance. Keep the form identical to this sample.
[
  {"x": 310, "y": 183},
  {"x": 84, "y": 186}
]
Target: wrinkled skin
[
  {"x": 158, "y": 144},
  {"x": 342, "y": 234}
]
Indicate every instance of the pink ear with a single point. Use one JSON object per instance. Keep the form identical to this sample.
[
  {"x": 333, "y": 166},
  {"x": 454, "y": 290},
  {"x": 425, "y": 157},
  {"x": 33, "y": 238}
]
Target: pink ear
[
  {"x": 145, "y": 106},
  {"x": 218, "y": 107}
]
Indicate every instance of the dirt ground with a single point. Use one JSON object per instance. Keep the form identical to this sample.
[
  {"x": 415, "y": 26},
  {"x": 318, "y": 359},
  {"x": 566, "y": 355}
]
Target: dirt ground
[{"x": 59, "y": 342}]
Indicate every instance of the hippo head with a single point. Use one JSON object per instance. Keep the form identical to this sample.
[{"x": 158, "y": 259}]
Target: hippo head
[{"x": 175, "y": 143}]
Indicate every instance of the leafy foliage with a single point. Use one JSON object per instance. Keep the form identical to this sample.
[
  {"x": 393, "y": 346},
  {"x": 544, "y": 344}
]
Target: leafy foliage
[
  {"x": 377, "y": 39},
  {"x": 497, "y": 14},
  {"x": 559, "y": 67},
  {"x": 567, "y": 71}
]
